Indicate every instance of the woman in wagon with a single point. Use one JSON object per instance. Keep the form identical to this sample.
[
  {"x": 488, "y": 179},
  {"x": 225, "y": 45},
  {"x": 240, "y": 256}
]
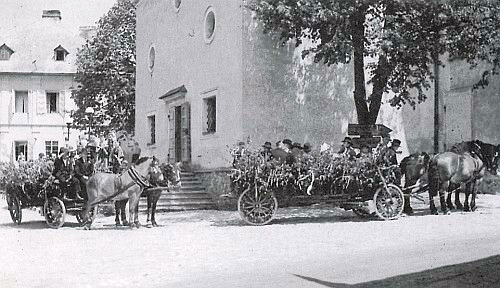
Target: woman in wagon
[{"x": 63, "y": 173}]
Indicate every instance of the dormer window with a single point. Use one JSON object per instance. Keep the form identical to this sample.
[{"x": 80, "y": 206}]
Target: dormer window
[
  {"x": 5, "y": 52},
  {"x": 60, "y": 53}
]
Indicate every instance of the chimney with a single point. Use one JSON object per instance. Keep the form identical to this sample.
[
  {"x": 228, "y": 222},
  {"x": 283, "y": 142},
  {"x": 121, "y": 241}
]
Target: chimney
[
  {"x": 54, "y": 15},
  {"x": 88, "y": 32}
]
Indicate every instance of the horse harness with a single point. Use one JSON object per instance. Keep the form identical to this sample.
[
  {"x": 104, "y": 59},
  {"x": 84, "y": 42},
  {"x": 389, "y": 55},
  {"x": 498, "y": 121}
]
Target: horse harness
[{"x": 137, "y": 179}]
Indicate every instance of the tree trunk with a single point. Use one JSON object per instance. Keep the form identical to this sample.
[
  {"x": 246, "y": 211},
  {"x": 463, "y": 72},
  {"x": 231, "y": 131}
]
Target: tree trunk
[
  {"x": 357, "y": 20},
  {"x": 379, "y": 83}
]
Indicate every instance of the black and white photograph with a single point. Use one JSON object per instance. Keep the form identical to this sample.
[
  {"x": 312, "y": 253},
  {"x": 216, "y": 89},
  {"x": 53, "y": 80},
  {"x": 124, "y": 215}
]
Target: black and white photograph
[{"x": 249, "y": 143}]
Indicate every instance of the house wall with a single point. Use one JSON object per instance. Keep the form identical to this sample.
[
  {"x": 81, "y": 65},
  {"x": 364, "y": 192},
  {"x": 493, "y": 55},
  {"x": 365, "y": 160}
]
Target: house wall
[
  {"x": 36, "y": 126},
  {"x": 184, "y": 58}
]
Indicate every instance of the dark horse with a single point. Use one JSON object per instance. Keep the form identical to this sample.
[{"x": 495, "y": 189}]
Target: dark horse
[
  {"x": 464, "y": 165},
  {"x": 161, "y": 177},
  {"x": 129, "y": 185},
  {"x": 413, "y": 167}
]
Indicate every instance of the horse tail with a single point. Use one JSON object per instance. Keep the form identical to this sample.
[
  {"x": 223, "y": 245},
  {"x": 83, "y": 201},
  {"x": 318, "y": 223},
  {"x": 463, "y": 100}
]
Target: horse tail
[{"x": 434, "y": 179}]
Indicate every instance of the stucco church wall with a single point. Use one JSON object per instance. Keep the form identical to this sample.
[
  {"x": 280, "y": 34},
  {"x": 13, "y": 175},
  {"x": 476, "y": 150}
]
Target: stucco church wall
[
  {"x": 285, "y": 96},
  {"x": 184, "y": 58}
]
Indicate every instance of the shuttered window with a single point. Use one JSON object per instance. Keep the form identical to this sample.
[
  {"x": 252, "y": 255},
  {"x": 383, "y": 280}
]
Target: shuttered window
[
  {"x": 52, "y": 102},
  {"x": 21, "y": 101}
]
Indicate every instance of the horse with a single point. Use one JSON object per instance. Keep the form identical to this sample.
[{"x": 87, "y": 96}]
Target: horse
[
  {"x": 413, "y": 167},
  {"x": 165, "y": 175},
  {"x": 488, "y": 153},
  {"x": 128, "y": 185}
]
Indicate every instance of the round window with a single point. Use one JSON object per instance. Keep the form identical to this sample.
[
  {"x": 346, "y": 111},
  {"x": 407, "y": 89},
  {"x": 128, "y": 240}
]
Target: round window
[
  {"x": 177, "y": 4},
  {"x": 151, "y": 58},
  {"x": 209, "y": 25}
]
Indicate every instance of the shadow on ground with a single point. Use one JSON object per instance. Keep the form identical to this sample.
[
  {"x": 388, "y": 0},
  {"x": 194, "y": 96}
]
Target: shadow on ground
[{"x": 481, "y": 273}]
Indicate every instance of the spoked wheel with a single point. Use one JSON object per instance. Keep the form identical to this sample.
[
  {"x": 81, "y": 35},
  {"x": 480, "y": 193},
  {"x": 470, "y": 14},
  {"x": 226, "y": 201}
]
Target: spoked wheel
[
  {"x": 389, "y": 202},
  {"x": 55, "y": 212},
  {"x": 362, "y": 213},
  {"x": 15, "y": 210},
  {"x": 257, "y": 206}
]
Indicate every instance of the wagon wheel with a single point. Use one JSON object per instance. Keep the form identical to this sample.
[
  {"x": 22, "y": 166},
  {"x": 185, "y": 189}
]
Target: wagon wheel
[
  {"x": 15, "y": 210},
  {"x": 257, "y": 206},
  {"x": 389, "y": 202},
  {"x": 55, "y": 212}
]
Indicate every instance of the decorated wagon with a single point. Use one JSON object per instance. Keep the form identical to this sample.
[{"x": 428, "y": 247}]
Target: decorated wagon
[
  {"x": 30, "y": 185},
  {"x": 364, "y": 185}
]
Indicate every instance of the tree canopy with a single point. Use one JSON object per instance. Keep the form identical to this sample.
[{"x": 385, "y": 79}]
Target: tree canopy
[
  {"x": 403, "y": 40},
  {"x": 106, "y": 73}
]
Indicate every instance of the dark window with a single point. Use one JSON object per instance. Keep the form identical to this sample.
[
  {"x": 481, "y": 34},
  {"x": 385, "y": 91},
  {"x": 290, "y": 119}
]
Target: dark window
[
  {"x": 52, "y": 99},
  {"x": 152, "y": 129},
  {"x": 60, "y": 55},
  {"x": 21, "y": 151},
  {"x": 210, "y": 115},
  {"x": 21, "y": 102},
  {"x": 4, "y": 54},
  {"x": 51, "y": 147}
]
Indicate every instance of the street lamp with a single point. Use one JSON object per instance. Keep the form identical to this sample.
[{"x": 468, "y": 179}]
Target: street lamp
[
  {"x": 89, "y": 112},
  {"x": 68, "y": 125}
]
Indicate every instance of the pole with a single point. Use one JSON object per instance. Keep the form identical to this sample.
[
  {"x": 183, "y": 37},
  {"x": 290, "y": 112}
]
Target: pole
[{"x": 436, "y": 107}]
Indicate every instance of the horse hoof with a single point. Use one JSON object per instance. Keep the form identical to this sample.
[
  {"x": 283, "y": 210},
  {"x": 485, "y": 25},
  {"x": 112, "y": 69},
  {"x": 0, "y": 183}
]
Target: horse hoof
[
  {"x": 155, "y": 225},
  {"x": 434, "y": 212},
  {"x": 125, "y": 223},
  {"x": 149, "y": 225}
]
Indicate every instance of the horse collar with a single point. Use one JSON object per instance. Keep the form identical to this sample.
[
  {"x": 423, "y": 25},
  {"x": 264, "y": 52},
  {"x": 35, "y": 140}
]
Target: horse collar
[{"x": 137, "y": 178}]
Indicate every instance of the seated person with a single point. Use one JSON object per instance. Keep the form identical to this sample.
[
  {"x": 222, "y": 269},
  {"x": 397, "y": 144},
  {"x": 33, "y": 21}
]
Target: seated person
[
  {"x": 63, "y": 173},
  {"x": 83, "y": 169}
]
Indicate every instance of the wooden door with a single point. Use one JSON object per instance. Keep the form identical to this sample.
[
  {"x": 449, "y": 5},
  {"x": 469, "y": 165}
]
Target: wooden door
[
  {"x": 185, "y": 133},
  {"x": 171, "y": 134}
]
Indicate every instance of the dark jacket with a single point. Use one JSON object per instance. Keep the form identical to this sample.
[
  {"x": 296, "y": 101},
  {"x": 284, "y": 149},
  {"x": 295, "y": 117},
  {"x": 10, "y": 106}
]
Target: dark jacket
[
  {"x": 61, "y": 171},
  {"x": 83, "y": 168}
]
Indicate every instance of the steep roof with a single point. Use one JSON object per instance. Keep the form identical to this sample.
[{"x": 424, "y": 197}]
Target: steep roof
[{"x": 34, "y": 46}]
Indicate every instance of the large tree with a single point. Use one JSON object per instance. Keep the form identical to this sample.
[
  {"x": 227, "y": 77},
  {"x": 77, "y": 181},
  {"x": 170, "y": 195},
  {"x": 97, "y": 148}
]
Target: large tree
[
  {"x": 403, "y": 39},
  {"x": 106, "y": 73}
]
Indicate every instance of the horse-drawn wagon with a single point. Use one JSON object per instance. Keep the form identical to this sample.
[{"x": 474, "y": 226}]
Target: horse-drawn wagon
[
  {"x": 47, "y": 196},
  {"x": 361, "y": 185}
]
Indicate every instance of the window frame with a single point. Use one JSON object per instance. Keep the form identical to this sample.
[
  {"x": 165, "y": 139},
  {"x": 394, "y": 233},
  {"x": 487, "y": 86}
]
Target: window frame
[
  {"x": 209, "y": 129},
  {"x": 152, "y": 129},
  {"x": 25, "y": 104},
  {"x": 57, "y": 95},
  {"x": 49, "y": 148},
  {"x": 209, "y": 39}
]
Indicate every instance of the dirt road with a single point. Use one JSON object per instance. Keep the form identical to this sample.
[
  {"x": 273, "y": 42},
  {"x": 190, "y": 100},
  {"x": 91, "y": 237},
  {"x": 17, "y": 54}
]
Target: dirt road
[{"x": 304, "y": 247}]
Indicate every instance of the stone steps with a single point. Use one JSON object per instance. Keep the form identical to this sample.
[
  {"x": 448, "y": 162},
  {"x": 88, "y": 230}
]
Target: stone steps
[{"x": 191, "y": 196}]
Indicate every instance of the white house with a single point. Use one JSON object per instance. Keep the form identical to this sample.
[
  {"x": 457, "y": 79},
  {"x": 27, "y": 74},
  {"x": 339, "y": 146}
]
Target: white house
[{"x": 37, "y": 69}]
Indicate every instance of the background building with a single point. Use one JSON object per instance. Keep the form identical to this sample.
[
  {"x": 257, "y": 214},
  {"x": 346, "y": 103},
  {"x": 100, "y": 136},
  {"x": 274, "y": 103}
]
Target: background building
[
  {"x": 207, "y": 77},
  {"x": 38, "y": 47}
]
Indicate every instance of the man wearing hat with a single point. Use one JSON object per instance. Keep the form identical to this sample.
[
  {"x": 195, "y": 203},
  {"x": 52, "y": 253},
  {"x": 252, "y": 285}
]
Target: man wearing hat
[
  {"x": 62, "y": 171},
  {"x": 390, "y": 154},
  {"x": 346, "y": 149},
  {"x": 287, "y": 147},
  {"x": 83, "y": 169},
  {"x": 391, "y": 159},
  {"x": 266, "y": 151}
]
